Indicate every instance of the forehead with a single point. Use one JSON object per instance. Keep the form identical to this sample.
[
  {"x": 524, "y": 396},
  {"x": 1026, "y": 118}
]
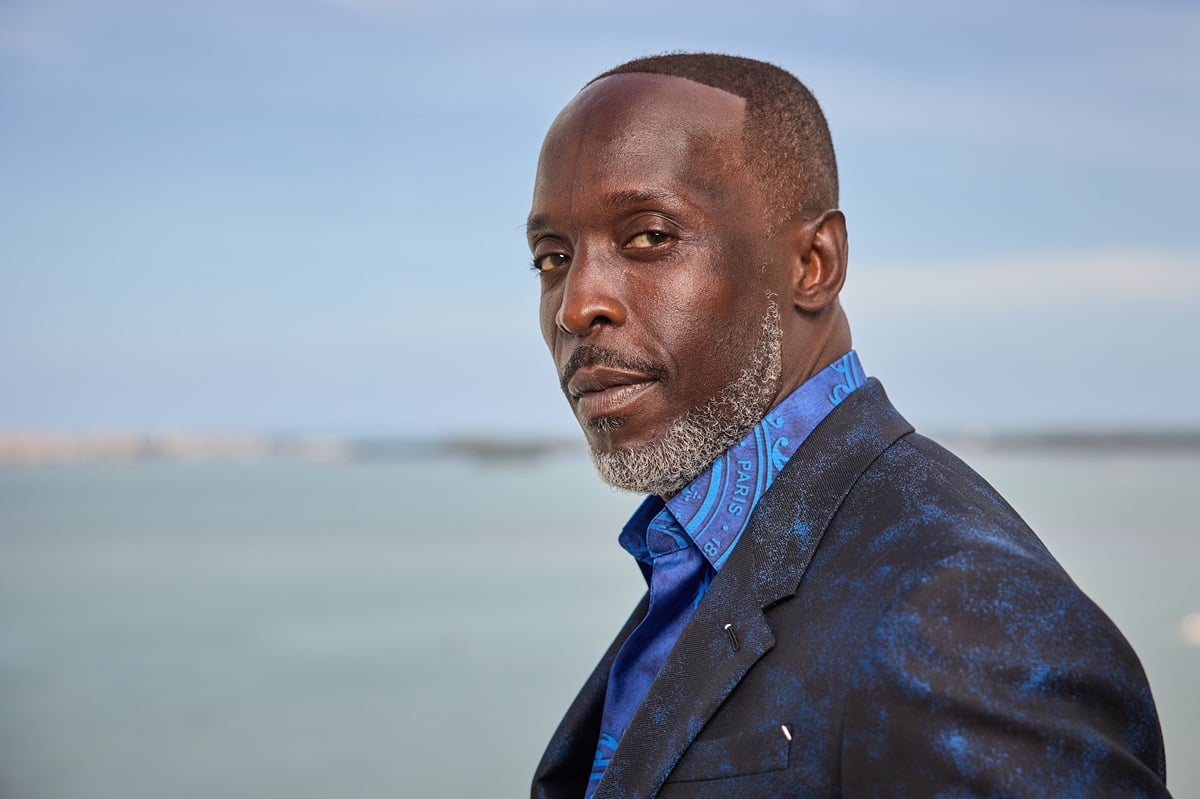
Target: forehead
[
  {"x": 646, "y": 129},
  {"x": 645, "y": 99}
]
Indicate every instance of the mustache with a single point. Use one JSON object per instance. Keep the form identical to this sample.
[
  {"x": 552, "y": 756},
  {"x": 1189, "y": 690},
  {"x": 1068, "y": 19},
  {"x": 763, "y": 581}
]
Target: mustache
[{"x": 591, "y": 355}]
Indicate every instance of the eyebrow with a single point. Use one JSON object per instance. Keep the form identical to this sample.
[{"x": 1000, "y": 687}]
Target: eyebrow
[
  {"x": 613, "y": 202},
  {"x": 537, "y": 223},
  {"x": 620, "y": 200}
]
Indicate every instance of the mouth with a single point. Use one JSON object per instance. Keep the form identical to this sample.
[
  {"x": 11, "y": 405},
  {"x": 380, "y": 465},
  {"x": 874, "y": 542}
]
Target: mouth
[
  {"x": 598, "y": 393},
  {"x": 602, "y": 384},
  {"x": 599, "y": 383}
]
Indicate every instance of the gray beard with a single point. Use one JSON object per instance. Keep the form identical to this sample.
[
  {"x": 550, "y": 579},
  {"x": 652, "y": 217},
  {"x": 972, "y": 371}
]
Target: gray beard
[{"x": 697, "y": 438}]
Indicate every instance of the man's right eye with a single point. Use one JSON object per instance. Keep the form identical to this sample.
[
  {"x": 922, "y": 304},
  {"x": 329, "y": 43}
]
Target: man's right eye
[{"x": 550, "y": 261}]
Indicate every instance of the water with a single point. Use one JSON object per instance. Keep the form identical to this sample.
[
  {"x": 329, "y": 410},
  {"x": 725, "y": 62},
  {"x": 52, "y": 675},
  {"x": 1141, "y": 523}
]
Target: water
[{"x": 416, "y": 629}]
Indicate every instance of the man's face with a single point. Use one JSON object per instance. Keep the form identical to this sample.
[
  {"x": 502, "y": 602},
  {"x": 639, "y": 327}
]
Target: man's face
[{"x": 657, "y": 275}]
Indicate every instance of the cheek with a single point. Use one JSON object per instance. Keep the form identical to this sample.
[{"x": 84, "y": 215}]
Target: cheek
[
  {"x": 547, "y": 311},
  {"x": 729, "y": 333},
  {"x": 711, "y": 334},
  {"x": 680, "y": 318}
]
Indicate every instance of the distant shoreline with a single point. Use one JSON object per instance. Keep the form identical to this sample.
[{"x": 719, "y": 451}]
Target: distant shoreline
[
  {"x": 29, "y": 448},
  {"x": 1113, "y": 441}
]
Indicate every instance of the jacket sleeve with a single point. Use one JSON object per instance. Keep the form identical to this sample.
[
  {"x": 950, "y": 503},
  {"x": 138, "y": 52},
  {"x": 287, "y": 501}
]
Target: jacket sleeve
[{"x": 996, "y": 676}]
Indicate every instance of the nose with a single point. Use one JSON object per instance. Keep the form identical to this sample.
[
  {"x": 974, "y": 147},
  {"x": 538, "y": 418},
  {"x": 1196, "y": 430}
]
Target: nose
[{"x": 592, "y": 296}]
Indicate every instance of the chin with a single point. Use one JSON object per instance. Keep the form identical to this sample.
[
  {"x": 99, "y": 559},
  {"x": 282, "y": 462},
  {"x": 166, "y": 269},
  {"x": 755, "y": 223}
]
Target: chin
[
  {"x": 618, "y": 434},
  {"x": 663, "y": 458},
  {"x": 601, "y": 426}
]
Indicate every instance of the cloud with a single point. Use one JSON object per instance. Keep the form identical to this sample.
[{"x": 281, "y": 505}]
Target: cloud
[{"x": 1139, "y": 280}]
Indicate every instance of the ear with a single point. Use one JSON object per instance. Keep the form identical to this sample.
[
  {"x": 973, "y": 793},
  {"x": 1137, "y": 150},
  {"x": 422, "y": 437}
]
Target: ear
[{"x": 819, "y": 251}]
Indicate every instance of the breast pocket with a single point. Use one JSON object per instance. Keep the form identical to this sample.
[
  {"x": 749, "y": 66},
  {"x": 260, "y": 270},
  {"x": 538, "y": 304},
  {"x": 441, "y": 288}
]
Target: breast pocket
[{"x": 734, "y": 756}]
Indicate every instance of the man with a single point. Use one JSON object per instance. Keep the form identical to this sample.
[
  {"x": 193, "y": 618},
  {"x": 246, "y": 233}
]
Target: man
[{"x": 836, "y": 606}]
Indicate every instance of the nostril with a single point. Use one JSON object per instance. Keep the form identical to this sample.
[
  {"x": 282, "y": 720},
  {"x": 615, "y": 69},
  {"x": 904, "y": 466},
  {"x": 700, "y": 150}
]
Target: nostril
[
  {"x": 579, "y": 318},
  {"x": 580, "y": 324}
]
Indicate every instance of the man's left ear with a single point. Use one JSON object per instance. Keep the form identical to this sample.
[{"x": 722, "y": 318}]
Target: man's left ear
[{"x": 819, "y": 250}]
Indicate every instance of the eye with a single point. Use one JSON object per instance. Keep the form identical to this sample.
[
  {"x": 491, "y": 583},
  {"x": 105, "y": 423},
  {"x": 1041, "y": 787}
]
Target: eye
[
  {"x": 550, "y": 261},
  {"x": 647, "y": 239}
]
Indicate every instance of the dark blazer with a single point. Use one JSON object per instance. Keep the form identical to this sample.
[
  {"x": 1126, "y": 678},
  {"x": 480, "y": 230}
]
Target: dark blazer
[{"x": 886, "y": 627}]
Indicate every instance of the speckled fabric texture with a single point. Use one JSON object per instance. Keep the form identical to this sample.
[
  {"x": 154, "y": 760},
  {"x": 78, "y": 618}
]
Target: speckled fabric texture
[{"x": 897, "y": 631}]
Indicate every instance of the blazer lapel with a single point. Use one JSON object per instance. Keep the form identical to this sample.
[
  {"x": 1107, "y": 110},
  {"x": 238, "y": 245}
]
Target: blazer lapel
[
  {"x": 567, "y": 763},
  {"x": 703, "y": 667},
  {"x": 729, "y": 631}
]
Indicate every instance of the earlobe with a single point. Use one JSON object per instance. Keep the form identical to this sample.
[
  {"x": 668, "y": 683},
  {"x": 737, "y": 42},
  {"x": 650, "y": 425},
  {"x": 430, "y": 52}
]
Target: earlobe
[{"x": 819, "y": 254}]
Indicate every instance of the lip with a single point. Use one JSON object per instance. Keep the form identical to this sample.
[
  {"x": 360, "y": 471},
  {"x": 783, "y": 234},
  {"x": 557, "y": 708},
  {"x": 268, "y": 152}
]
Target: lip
[{"x": 604, "y": 391}]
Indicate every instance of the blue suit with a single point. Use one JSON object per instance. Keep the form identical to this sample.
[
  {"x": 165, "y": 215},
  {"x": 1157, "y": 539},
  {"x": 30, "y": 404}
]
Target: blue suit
[{"x": 886, "y": 627}]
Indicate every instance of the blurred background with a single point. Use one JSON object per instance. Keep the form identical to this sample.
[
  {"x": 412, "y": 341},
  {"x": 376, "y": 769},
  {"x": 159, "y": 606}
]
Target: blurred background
[{"x": 284, "y": 466}]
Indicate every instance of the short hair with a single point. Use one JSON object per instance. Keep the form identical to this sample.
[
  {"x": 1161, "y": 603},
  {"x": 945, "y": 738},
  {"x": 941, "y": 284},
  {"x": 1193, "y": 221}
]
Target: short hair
[{"x": 786, "y": 137}]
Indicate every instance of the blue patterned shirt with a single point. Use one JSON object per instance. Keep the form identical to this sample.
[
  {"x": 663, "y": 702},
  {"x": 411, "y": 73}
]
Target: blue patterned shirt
[{"x": 682, "y": 543}]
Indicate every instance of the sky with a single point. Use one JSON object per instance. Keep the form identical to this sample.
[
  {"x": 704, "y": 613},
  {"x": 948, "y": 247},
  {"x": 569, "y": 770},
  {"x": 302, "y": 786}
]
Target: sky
[{"x": 307, "y": 217}]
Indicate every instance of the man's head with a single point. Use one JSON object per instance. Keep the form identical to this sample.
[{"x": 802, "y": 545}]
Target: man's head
[{"x": 690, "y": 260}]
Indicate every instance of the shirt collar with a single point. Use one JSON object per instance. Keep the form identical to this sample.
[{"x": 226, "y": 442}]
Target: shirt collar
[{"x": 714, "y": 509}]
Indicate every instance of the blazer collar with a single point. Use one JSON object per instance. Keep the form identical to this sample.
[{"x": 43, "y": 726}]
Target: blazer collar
[{"x": 729, "y": 632}]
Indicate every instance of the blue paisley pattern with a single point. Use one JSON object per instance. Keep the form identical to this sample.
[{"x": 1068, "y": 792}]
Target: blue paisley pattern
[
  {"x": 852, "y": 377},
  {"x": 715, "y": 508}
]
